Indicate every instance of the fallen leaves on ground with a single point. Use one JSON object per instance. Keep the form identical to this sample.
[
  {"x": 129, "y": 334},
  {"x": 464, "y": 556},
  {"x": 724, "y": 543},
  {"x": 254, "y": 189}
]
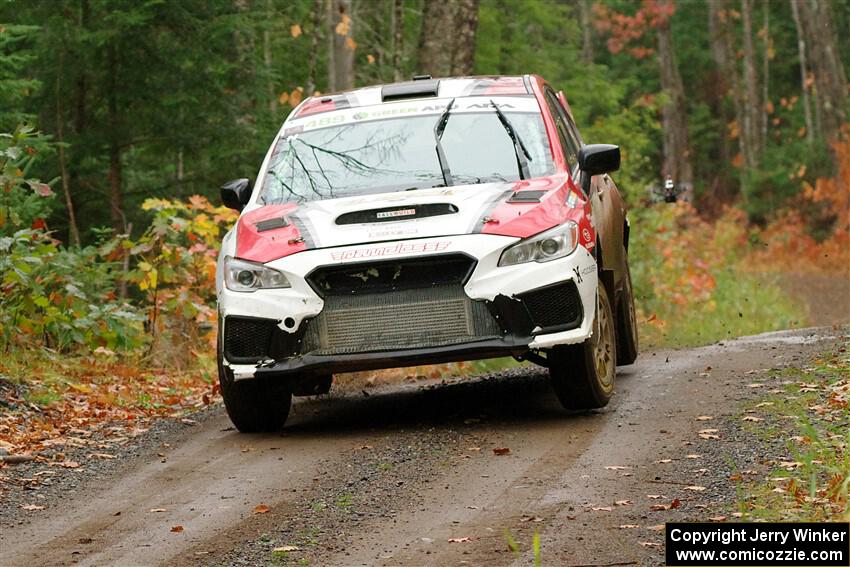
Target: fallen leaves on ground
[
  {"x": 501, "y": 451},
  {"x": 261, "y": 509},
  {"x": 459, "y": 539},
  {"x": 31, "y": 507},
  {"x": 117, "y": 399},
  {"x": 176, "y": 529},
  {"x": 102, "y": 456},
  {"x": 286, "y": 549},
  {"x": 675, "y": 503}
]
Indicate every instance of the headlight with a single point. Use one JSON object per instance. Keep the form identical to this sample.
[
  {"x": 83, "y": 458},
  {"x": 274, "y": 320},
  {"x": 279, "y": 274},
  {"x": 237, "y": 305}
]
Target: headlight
[
  {"x": 549, "y": 245},
  {"x": 240, "y": 275}
]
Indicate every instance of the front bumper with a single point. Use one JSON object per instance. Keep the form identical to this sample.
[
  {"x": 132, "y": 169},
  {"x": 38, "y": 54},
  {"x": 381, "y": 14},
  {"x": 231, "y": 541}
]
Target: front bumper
[{"x": 494, "y": 311}]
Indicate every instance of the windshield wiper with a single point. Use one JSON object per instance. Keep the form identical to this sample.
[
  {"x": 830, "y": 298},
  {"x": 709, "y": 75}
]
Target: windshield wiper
[
  {"x": 439, "y": 128},
  {"x": 522, "y": 155}
]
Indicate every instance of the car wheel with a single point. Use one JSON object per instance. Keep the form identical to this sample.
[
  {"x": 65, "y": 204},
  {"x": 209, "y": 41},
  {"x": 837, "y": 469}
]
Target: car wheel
[
  {"x": 583, "y": 375},
  {"x": 627, "y": 332},
  {"x": 255, "y": 404}
]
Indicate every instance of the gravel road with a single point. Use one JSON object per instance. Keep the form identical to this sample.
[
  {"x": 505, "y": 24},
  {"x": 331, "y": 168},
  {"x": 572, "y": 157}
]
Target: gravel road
[{"x": 407, "y": 475}]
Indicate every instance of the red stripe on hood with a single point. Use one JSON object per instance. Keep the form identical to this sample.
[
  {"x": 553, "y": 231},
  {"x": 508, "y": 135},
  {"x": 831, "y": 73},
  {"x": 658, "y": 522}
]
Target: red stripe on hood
[
  {"x": 527, "y": 219},
  {"x": 267, "y": 245}
]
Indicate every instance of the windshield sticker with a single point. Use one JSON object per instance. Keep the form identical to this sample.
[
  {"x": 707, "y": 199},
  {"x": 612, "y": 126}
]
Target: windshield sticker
[{"x": 407, "y": 108}]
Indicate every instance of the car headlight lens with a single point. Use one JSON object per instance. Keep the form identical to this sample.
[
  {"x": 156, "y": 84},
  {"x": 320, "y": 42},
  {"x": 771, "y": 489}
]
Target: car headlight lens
[
  {"x": 549, "y": 245},
  {"x": 240, "y": 275}
]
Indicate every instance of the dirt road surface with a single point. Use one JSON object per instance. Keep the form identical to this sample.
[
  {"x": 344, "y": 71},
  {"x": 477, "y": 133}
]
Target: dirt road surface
[{"x": 393, "y": 477}]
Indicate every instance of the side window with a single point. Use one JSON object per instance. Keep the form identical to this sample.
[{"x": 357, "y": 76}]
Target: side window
[{"x": 568, "y": 141}]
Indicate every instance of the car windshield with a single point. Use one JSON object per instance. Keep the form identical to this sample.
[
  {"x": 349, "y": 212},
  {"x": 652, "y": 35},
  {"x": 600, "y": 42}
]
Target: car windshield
[{"x": 399, "y": 154}]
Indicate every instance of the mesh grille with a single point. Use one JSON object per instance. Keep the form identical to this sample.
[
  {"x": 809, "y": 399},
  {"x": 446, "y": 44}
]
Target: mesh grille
[
  {"x": 397, "y": 320},
  {"x": 247, "y": 339},
  {"x": 555, "y": 306}
]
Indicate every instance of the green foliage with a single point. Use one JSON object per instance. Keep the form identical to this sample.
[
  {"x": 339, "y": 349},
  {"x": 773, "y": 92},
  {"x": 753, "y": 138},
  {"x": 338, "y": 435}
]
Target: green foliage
[
  {"x": 61, "y": 298},
  {"x": 174, "y": 267},
  {"x": 692, "y": 282},
  {"x": 784, "y": 169},
  {"x": 23, "y": 199},
  {"x": 16, "y": 57}
]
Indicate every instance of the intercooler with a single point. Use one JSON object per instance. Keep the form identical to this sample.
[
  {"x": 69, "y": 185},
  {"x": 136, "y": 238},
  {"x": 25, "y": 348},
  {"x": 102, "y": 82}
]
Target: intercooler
[{"x": 399, "y": 320}]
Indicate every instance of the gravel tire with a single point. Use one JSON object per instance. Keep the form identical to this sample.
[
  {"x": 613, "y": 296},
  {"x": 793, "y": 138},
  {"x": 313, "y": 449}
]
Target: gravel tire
[
  {"x": 582, "y": 375},
  {"x": 255, "y": 404},
  {"x": 627, "y": 332}
]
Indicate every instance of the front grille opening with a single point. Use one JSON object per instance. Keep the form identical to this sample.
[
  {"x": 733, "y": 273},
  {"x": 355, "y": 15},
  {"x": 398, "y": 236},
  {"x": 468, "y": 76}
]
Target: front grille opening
[
  {"x": 247, "y": 339},
  {"x": 555, "y": 306},
  {"x": 391, "y": 275},
  {"x": 252, "y": 339}
]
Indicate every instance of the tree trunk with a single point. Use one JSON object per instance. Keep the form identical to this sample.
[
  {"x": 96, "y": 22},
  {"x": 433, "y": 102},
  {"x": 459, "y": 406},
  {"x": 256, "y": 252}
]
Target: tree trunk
[
  {"x": 801, "y": 50},
  {"x": 437, "y": 21},
  {"x": 73, "y": 231},
  {"x": 329, "y": 16},
  {"x": 765, "y": 78},
  {"x": 586, "y": 20},
  {"x": 677, "y": 160},
  {"x": 318, "y": 8},
  {"x": 267, "y": 58},
  {"x": 752, "y": 107},
  {"x": 463, "y": 41},
  {"x": 398, "y": 39},
  {"x": 830, "y": 79},
  {"x": 115, "y": 180},
  {"x": 343, "y": 45},
  {"x": 726, "y": 81}
]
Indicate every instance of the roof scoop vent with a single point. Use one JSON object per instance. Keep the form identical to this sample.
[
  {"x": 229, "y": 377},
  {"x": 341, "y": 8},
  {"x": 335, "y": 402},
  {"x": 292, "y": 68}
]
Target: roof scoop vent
[{"x": 417, "y": 88}]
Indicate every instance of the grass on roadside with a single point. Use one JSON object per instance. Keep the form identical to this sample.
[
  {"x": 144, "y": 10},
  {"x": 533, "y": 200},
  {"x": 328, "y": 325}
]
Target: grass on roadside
[{"x": 813, "y": 414}]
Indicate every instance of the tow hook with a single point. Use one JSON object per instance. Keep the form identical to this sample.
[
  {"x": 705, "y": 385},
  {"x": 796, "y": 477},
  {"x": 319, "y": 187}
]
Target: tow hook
[{"x": 533, "y": 356}]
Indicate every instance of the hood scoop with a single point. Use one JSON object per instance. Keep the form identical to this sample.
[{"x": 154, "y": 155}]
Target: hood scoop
[
  {"x": 271, "y": 224},
  {"x": 526, "y": 196},
  {"x": 394, "y": 214}
]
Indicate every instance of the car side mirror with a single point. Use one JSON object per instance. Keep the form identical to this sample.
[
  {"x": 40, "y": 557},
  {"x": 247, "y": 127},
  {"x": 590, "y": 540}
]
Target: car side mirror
[
  {"x": 236, "y": 194},
  {"x": 596, "y": 159}
]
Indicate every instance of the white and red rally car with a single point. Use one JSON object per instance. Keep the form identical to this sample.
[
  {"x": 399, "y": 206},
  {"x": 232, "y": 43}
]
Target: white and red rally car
[{"x": 424, "y": 222}]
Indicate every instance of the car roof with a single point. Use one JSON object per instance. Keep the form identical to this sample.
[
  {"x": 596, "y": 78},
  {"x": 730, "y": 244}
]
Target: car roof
[{"x": 418, "y": 88}]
